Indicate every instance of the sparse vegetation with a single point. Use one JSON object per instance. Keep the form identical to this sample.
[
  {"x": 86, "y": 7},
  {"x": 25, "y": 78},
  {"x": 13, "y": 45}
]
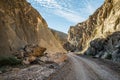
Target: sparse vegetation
[
  {"x": 4, "y": 61},
  {"x": 3, "y": 69}
]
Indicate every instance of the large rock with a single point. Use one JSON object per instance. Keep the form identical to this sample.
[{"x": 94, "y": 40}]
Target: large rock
[
  {"x": 34, "y": 50},
  {"x": 108, "y": 48},
  {"x": 104, "y": 22},
  {"x": 30, "y": 53},
  {"x": 20, "y": 25}
]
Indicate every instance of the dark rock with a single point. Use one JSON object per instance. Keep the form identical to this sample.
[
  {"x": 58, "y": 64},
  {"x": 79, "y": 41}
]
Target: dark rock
[
  {"x": 52, "y": 66},
  {"x": 38, "y": 61},
  {"x": 91, "y": 51},
  {"x": 69, "y": 47},
  {"x": 98, "y": 44},
  {"x": 108, "y": 48},
  {"x": 116, "y": 55}
]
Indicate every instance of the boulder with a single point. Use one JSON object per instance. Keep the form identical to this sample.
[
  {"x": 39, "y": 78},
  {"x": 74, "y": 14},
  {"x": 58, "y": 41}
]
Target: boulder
[
  {"x": 106, "y": 48},
  {"x": 0, "y": 72},
  {"x": 90, "y": 51},
  {"x": 38, "y": 51},
  {"x": 29, "y": 53},
  {"x": 98, "y": 44},
  {"x": 116, "y": 55}
]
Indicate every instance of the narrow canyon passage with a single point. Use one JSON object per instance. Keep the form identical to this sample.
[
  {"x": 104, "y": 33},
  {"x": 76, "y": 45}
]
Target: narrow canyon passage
[{"x": 85, "y": 69}]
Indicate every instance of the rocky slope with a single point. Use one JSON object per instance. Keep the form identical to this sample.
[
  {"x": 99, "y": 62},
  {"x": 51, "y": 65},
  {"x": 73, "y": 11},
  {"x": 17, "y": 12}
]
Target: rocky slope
[
  {"x": 103, "y": 24},
  {"x": 60, "y": 36},
  {"x": 21, "y": 25}
]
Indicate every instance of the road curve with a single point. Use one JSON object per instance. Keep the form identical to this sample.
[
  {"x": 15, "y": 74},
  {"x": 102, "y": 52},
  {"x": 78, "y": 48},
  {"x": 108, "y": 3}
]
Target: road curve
[{"x": 85, "y": 69}]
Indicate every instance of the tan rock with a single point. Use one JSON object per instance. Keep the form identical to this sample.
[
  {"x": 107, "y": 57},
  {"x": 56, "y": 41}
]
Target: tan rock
[
  {"x": 26, "y": 61},
  {"x": 104, "y": 22},
  {"x": 38, "y": 51},
  {"x": 20, "y": 25},
  {"x": 15, "y": 69},
  {"x": 31, "y": 58}
]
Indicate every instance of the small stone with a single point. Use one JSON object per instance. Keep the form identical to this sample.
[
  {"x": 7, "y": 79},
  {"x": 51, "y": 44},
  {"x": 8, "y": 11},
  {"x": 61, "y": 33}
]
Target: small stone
[
  {"x": 51, "y": 66},
  {"x": 26, "y": 61},
  {"x": 16, "y": 69},
  {"x": 31, "y": 59},
  {"x": 0, "y": 72}
]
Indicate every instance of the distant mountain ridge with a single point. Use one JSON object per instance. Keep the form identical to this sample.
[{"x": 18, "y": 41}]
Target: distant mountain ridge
[{"x": 60, "y": 36}]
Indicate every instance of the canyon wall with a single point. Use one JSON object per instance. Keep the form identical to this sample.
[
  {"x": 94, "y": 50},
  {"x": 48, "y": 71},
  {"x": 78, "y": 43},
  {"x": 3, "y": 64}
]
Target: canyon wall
[
  {"x": 105, "y": 22},
  {"x": 60, "y": 36},
  {"x": 20, "y": 25}
]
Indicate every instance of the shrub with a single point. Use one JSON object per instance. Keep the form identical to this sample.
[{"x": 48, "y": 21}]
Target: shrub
[
  {"x": 3, "y": 69},
  {"x": 9, "y": 61}
]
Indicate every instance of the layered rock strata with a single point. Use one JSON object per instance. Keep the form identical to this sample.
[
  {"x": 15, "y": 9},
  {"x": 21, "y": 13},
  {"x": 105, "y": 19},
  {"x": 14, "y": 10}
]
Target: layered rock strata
[{"x": 105, "y": 22}]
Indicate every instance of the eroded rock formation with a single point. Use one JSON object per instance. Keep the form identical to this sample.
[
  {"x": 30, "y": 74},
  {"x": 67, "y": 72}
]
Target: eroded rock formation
[
  {"x": 21, "y": 25},
  {"x": 104, "y": 22}
]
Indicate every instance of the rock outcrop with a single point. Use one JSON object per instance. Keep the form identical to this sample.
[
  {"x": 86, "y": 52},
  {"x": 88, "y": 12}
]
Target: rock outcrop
[
  {"x": 103, "y": 23},
  {"x": 107, "y": 48},
  {"x": 30, "y": 54},
  {"x": 21, "y": 25}
]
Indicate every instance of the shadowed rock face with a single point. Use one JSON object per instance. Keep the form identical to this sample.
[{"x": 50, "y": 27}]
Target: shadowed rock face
[
  {"x": 104, "y": 22},
  {"x": 21, "y": 24},
  {"x": 108, "y": 48},
  {"x": 60, "y": 36}
]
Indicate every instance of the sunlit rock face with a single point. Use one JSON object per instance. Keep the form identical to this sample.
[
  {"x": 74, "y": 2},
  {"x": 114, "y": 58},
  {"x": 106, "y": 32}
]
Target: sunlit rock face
[
  {"x": 104, "y": 22},
  {"x": 21, "y": 24}
]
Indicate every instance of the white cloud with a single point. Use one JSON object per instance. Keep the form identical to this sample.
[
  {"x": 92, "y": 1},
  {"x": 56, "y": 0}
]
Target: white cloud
[
  {"x": 72, "y": 17},
  {"x": 65, "y": 11},
  {"x": 89, "y": 7},
  {"x": 48, "y": 3}
]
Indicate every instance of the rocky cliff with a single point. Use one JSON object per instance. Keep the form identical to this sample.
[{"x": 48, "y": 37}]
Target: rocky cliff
[
  {"x": 102, "y": 24},
  {"x": 60, "y": 36},
  {"x": 20, "y": 25}
]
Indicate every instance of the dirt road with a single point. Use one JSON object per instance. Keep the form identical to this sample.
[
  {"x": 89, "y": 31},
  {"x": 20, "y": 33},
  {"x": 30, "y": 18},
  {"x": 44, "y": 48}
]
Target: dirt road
[
  {"x": 81, "y": 68},
  {"x": 86, "y": 69}
]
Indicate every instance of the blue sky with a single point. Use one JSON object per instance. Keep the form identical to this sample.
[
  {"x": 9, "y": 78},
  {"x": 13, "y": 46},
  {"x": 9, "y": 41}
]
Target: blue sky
[{"x": 61, "y": 14}]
